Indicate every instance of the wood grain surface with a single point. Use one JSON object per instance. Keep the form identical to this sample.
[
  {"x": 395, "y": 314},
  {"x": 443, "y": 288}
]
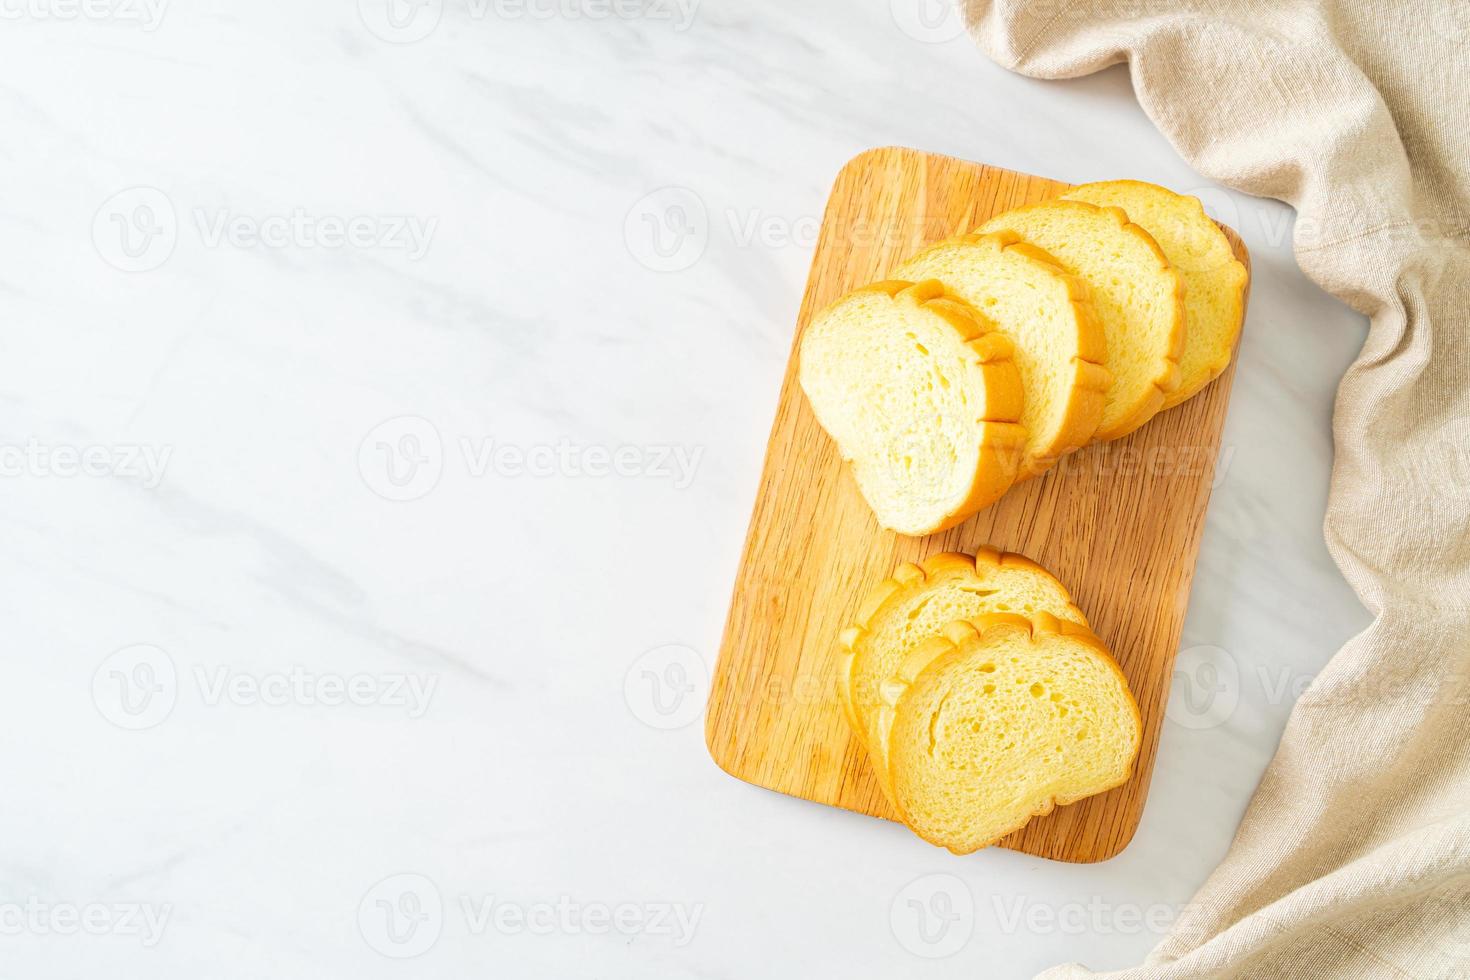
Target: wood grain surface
[{"x": 1119, "y": 523}]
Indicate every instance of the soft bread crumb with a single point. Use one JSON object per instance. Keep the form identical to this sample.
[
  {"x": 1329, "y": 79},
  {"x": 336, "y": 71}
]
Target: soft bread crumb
[
  {"x": 1214, "y": 278},
  {"x": 1001, "y": 719},
  {"x": 922, "y": 399},
  {"x": 1059, "y": 342},
  {"x": 917, "y": 602},
  {"x": 1139, "y": 298}
]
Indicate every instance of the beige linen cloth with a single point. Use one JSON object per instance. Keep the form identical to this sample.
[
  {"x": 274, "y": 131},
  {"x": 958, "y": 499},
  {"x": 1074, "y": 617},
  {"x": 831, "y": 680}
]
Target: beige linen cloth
[{"x": 1353, "y": 859}]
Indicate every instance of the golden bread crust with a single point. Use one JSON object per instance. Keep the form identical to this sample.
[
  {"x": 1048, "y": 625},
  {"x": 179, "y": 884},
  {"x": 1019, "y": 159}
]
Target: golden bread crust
[
  {"x": 909, "y": 578},
  {"x": 1090, "y": 378},
  {"x": 1002, "y": 437},
  {"x": 1163, "y": 377},
  {"x": 959, "y": 640}
]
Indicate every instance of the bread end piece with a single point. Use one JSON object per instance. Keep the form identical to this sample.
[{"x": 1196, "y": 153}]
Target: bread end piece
[
  {"x": 922, "y": 397},
  {"x": 1198, "y": 247},
  {"x": 1138, "y": 295}
]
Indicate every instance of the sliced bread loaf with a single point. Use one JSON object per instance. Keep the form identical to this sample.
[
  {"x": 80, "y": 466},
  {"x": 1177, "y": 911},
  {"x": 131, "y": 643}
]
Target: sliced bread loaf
[
  {"x": 1059, "y": 343},
  {"x": 915, "y": 604},
  {"x": 921, "y": 396},
  {"x": 1139, "y": 299},
  {"x": 1000, "y": 719},
  {"x": 1214, "y": 298}
]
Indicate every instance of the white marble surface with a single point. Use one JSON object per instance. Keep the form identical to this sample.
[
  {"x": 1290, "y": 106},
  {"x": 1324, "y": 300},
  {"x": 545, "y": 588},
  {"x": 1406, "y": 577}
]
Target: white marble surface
[{"x": 451, "y": 236}]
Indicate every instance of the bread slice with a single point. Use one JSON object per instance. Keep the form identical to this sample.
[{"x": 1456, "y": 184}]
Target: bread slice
[
  {"x": 1139, "y": 299},
  {"x": 1059, "y": 341},
  {"x": 1214, "y": 279},
  {"x": 916, "y": 602},
  {"x": 1000, "y": 719},
  {"x": 921, "y": 396}
]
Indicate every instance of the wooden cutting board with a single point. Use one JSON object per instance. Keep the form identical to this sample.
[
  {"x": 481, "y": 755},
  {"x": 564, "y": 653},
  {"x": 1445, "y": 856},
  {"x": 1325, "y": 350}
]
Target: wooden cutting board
[{"x": 1119, "y": 523}]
